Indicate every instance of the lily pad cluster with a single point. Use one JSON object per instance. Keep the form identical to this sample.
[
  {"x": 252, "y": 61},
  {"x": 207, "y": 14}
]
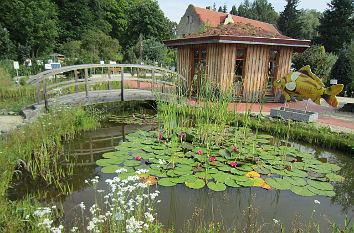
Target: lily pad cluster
[{"x": 241, "y": 161}]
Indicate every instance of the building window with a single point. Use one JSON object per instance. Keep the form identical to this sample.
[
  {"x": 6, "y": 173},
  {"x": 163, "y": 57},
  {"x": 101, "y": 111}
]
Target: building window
[
  {"x": 189, "y": 19},
  {"x": 239, "y": 71},
  {"x": 272, "y": 70},
  {"x": 198, "y": 69}
]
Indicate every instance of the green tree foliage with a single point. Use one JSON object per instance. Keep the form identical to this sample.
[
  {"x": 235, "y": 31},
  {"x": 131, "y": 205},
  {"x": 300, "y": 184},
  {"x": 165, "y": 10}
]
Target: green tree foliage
[
  {"x": 289, "y": 21},
  {"x": 32, "y": 25},
  {"x": 94, "y": 46},
  {"x": 260, "y": 10},
  {"x": 6, "y": 45},
  {"x": 220, "y": 9},
  {"x": 319, "y": 60},
  {"x": 310, "y": 20},
  {"x": 233, "y": 10},
  {"x": 145, "y": 17},
  {"x": 343, "y": 69},
  {"x": 224, "y": 9},
  {"x": 337, "y": 25},
  {"x": 244, "y": 9}
]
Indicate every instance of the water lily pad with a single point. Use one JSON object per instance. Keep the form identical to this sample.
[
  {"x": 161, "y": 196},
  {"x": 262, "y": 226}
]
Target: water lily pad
[
  {"x": 231, "y": 183},
  {"x": 110, "y": 169},
  {"x": 320, "y": 185},
  {"x": 196, "y": 184},
  {"x": 132, "y": 163},
  {"x": 297, "y": 181},
  {"x": 334, "y": 177},
  {"x": 302, "y": 191},
  {"x": 167, "y": 182},
  {"x": 217, "y": 186},
  {"x": 321, "y": 192}
]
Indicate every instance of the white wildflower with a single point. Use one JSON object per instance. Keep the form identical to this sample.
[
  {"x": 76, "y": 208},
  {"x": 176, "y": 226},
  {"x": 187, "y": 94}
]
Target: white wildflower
[
  {"x": 82, "y": 205},
  {"x": 134, "y": 225},
  {"x": 317, "y": 202},
  {"x": 275, "y": 221},
  {"x": 149, "y": 217},
  {"x": 119, "y": 216},
  {"x": 74, "y": 229},
  {"x": 90, "y": 226}
]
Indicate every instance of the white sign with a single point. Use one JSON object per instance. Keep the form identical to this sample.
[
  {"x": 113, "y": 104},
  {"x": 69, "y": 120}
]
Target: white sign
[
  {"x": 47, "y": 66},
  {"x": 16, "y": 65},
  {"x": 112, "y": 62},
  {"x": 333, "y": 81},
  {"x": 102, "y": 62}
]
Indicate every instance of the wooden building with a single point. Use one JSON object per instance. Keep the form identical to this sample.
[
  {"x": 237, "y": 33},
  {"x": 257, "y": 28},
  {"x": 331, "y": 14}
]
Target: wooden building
[{"x": 233, "y": 53}]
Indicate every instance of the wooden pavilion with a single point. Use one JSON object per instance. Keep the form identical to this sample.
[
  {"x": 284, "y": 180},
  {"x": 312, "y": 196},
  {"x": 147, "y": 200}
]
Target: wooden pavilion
[{"x": 233, "y": 53}]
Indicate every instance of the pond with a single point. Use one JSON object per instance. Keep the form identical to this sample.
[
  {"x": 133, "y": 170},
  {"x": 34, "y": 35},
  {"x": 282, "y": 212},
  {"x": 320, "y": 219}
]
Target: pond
[{"x": 180, "y": 206}]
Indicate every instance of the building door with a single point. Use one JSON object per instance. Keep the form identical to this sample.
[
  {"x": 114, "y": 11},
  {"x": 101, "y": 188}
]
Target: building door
[
  {"x": 239, "y": 72},
  {"x": 272, "y": 71},
  {"x": 198, "y": 70}
]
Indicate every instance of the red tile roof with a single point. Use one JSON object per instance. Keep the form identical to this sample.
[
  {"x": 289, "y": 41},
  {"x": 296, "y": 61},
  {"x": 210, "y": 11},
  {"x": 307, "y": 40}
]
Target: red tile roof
[{"x": 215, "y": 19}]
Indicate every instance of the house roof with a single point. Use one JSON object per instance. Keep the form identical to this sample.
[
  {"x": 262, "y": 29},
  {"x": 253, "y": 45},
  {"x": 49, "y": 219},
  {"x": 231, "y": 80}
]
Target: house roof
[
  {"x": 214, "y": 19},
  {"x": 242, "y": 31}
]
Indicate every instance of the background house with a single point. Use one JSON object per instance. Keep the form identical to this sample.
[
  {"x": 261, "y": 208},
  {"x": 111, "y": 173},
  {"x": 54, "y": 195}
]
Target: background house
[{"x": 232, "y": 52}]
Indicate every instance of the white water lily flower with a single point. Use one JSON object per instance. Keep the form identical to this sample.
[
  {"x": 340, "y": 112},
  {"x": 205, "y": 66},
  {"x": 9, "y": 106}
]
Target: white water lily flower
[
  {"x": 317, "y": 202},
  {"x": 275, "y": 221},
  {"x": 142, "y": 171}
]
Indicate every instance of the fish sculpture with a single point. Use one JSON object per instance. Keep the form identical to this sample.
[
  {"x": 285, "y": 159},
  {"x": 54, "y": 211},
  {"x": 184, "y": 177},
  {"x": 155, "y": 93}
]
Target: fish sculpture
[{"x": 304, "y": 84}]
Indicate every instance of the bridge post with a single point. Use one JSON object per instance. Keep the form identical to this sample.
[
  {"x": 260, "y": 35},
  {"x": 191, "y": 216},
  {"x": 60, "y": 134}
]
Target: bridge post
[
  {"x": 38, "y": 92},
  {"x": 86, "y": 82},
  {"x": 45, "y": 95},
  {"x": 122, "y": 84},
  {"x": 152, "y": 79},
  {"x": 109, "y": 78},
  {"x": 76, "y": 82}
]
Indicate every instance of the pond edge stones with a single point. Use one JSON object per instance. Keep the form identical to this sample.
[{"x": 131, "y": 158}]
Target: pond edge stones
[{"x": 294, "y": 114}]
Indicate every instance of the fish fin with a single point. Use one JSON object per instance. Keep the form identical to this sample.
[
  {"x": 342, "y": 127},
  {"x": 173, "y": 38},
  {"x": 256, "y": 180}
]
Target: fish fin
[
  {"x": 317, "y": 101},
  {"x": 306, "y": 70},
  {"x": 330, "y": 94}
]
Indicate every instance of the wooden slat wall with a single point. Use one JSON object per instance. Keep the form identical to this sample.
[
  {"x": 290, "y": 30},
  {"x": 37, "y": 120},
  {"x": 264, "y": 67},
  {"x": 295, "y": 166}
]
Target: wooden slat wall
[
  {"x": 256, "y": 69},
  {"x": 221, "y": 64},
  {"x": 184, "y": 61},
  {"x": 284, "y": 62},
  {"x": 284, "y": 66}
]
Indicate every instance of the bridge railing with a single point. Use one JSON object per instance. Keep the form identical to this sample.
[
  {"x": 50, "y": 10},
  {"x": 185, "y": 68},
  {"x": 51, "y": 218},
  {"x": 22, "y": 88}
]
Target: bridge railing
[{"x": 92, "y": 77}]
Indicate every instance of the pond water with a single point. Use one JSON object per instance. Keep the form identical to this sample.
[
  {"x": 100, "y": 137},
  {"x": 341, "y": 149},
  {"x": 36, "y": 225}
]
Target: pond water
[{"x": 180, "y": 204}]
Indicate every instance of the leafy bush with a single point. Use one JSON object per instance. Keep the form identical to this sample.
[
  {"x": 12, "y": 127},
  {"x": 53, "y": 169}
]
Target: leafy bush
[
  {"x": 343, "y": 70},
  {"x": 320, "y": 62}
]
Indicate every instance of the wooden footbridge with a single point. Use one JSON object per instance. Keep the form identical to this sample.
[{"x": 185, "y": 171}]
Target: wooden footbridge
[{"x": 99, "y": 83}]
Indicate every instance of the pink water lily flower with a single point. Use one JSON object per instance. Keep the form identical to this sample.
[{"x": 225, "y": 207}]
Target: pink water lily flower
[
  {"x": 138, "y": 158},
  {"x": 199, "y": 152},
  {"x": 160, "y": 136},
  {"x": 233, "y": 164},
  {"x": 212, "y": 158}
]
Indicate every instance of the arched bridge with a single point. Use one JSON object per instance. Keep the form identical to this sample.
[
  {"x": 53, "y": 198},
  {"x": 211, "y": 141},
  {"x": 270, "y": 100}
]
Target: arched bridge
[{"x": 98, "y": 83}]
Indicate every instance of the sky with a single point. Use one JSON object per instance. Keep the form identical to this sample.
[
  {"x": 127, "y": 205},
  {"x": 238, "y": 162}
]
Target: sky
[{"x": 174, "y": 9}]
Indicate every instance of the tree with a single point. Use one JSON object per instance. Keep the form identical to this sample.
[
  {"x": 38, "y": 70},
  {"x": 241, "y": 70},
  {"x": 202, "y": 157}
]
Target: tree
[
  {"x": 310, "y": 20},
  {"x": 146, "y": 17},
  {"x": 7, "y": 48},
  {"x": 343, "y": 69},
  {"x": 319, "y": 60},
  {"x": 260, "y": 10},
  {"x": 337, "y": 25},
  {"x": 289, "y": 21},
  {"x": 32, "y": 25},
  {"x": 224, "y": 9},
  {"x": 214, "y": 7},
  {"x": 233, "y": 10},
  {"x": 244, "y": 9},
  {"x": 220, "y": 9}
]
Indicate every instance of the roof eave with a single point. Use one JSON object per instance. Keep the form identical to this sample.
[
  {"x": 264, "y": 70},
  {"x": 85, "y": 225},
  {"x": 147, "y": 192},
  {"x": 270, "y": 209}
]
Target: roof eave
[{"x": 228, "y": 39}]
